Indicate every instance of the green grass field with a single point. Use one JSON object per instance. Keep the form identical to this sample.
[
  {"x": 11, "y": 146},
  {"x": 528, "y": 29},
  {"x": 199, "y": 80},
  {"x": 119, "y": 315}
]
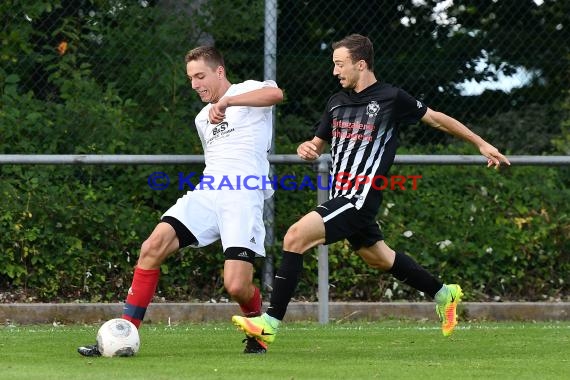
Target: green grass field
[{"x": 380, "y": 350}]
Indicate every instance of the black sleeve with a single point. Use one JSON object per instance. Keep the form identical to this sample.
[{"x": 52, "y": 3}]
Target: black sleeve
[{"x": 408, "y": 109}]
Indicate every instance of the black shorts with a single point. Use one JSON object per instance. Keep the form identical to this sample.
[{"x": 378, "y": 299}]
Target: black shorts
[{"x": 344, "y": 221}]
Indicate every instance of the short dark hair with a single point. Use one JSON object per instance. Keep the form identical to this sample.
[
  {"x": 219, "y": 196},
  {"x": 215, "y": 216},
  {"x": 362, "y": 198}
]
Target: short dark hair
[
  {"x": 359, "y": 47},
  {"x": 209, "y": 54}
]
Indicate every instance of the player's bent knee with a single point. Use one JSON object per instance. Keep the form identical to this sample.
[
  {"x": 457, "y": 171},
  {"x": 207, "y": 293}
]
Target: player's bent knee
[
  {"x": 237, "y": 290},
  {"x": 294, "y": 240},
  {"x": 289, "y": 242},
  {"x": 293, "y": 237}
]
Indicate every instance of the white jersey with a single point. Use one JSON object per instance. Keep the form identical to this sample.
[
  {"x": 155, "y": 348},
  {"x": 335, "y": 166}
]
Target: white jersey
[{"x": 238, "y": 147}]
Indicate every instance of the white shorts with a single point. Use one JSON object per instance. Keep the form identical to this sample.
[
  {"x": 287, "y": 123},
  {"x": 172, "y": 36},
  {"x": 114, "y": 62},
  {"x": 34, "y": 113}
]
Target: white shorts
[{"x": 233, "y": 216}]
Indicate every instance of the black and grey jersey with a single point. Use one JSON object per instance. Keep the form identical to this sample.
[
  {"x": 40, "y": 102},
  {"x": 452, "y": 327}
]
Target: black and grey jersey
[{"x": 362, "y": 129}]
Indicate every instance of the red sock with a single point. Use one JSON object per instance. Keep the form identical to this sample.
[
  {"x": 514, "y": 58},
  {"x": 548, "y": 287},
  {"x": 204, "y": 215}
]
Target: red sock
[
  {"x": 253, "y": 307},
  {"x": 140, "y": 294}
]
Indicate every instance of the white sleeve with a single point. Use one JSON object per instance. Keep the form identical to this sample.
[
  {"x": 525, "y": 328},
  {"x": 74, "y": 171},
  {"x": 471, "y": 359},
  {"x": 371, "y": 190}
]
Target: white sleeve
[
  {"x": 250, "y": 85},
  {"x": 269, "y": 83}
]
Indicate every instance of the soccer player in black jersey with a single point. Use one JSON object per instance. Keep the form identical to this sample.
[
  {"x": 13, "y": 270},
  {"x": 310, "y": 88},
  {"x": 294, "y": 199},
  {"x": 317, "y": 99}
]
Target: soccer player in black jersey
[{"x": 361, "y": 124}]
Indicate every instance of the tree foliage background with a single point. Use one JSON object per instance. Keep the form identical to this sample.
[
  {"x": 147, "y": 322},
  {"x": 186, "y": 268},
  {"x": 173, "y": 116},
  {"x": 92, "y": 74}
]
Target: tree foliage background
[{"x": 107, "y": 77}]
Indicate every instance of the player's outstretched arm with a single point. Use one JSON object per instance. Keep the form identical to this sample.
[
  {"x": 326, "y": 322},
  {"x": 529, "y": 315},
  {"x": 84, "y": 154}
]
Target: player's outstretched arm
[
  {"x": 311, "y": 150},
  {"x": 262, "y": 97},
  {"x": 454, "y": 127}
]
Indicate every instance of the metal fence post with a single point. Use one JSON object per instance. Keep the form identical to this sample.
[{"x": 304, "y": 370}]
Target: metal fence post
[
  {"x": 323, "y": 250},
  {"x": 270, "y": 72}
]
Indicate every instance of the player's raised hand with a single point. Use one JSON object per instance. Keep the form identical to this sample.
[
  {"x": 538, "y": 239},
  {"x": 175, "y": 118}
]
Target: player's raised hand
[{"x": 308, "y": 151}]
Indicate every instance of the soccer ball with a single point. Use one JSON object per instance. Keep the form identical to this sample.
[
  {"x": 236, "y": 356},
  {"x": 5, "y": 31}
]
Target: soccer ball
[{"x": 118, "y": 337}]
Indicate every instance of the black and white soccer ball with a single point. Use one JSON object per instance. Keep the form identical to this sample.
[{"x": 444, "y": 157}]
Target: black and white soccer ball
[{"x": 118, "y": 337}]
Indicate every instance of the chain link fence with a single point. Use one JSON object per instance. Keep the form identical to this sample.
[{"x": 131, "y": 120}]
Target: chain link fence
[
  {"x": 108, "y": 76},
  {"x": 501, "y": 67}
]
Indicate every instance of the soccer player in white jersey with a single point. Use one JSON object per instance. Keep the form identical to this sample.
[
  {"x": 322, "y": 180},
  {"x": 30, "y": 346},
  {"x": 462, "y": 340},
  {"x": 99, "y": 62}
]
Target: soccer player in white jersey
[
  {"x": 235, "y": 128},
  {"x": 361, "y": 124}
]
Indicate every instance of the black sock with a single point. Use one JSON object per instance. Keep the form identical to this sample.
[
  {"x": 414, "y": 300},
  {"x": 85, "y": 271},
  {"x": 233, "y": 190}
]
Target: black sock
[
  {"x": 409, "y": 272},
  {"x": 285, "y": 283}
]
